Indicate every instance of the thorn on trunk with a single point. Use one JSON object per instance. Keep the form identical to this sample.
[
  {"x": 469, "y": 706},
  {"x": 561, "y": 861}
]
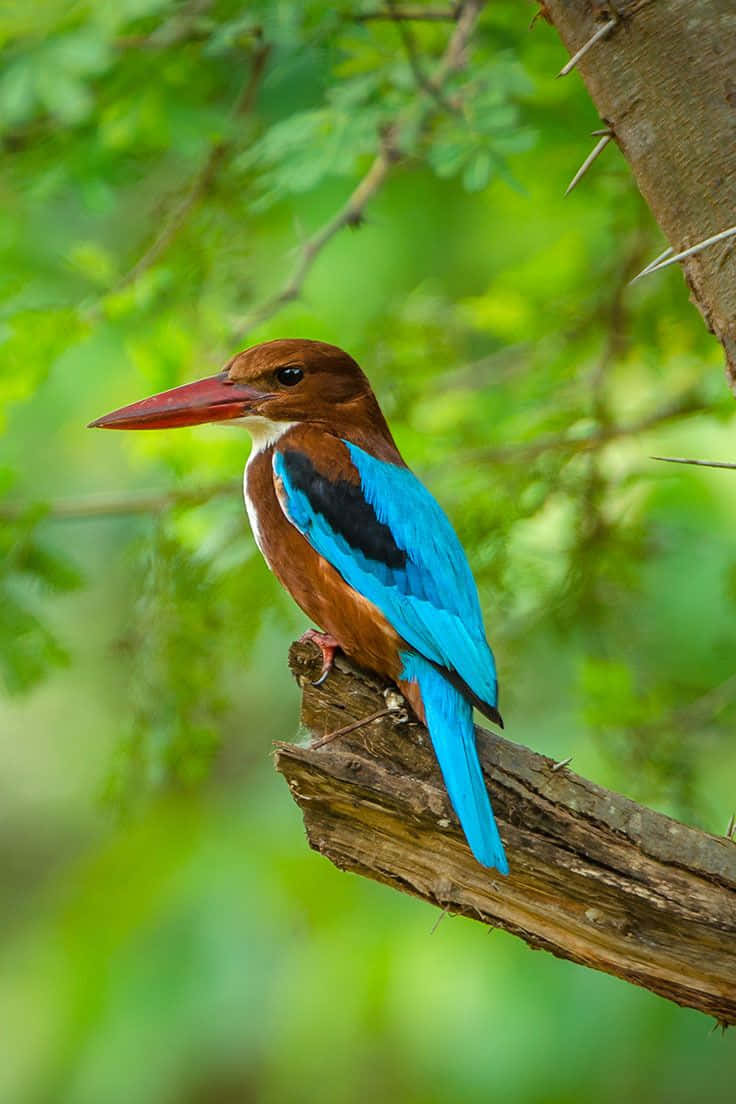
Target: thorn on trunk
[
  {"x": 562, "y": 763},
  {"x": 599, "y": 34},
  {"x": 728, "y": 464},
  {"x": 666, "y": 260},
  {"x": 595, "y": 152}
]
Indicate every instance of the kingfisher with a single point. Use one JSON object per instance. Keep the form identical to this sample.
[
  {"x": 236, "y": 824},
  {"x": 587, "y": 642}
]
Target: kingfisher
[{"x": 360, "y": 544}]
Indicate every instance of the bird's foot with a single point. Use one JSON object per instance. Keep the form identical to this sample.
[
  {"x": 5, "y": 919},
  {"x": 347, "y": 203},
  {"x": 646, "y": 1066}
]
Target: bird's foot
[{"x": 327, "y": 645}]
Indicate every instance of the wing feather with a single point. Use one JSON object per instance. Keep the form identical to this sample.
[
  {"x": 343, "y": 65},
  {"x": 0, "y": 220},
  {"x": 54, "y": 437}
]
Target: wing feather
[{"x": 392, "y": 542}]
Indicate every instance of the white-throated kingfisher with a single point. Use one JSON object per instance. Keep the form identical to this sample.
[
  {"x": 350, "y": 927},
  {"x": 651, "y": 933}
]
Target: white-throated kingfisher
[{"x": 357, "y": 540}]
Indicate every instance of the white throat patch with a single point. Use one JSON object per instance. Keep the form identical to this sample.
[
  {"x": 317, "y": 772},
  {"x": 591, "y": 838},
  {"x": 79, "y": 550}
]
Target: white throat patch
[{"x": 263, "y": 433}]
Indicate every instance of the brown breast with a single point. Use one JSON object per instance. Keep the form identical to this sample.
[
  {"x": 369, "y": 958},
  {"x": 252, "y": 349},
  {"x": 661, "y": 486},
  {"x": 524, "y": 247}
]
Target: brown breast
[{"x": 362, "y": 630}]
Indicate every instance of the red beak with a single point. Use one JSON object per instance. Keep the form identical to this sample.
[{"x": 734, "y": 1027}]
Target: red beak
[{"x": 214, "y": 399}]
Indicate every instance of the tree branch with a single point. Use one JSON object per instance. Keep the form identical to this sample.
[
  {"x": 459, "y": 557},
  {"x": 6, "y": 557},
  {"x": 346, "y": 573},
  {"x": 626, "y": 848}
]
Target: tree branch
[
  {"x": 410, "y": 15},
  {"x": 595, "y": 878},
  {"x": 691, "y": 402},
  {"x": 659, "y": 79},
  {"x": 183, "y": 26},
  {"x": 351, "y": 213},
  {"x": 202, "y": 182},
  {"x": 415, "y": 64},
  {"x": 142, "y": 502}
]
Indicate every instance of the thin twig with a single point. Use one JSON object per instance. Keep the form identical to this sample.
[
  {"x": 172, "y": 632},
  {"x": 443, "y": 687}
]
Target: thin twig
[
  {"x": 707, "y": 705},
  {"x": 97, "y": 506},
  {"x": 696, "y": 463},
  {"x": 349, "y": 728},
  {"x": 595, "y": 152},
  {"x": 412, "y": 55},
  {"x": 202, "y": 182},
  {"x": 681, "y": 407},
  {"x": 410, "y": 15},
  {"x": 439, "y": 920},
  {"x": 351, "y": 213},
  {"x": 599, "y": 34},
  {"x": 181, "y": 27},
  {"x": 100, "y": 506},
  {"x": 701, "y": 245}
]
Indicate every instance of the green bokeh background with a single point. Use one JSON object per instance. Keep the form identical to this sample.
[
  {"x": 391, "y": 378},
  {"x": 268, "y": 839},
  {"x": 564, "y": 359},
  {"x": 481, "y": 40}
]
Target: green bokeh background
[{"x": 166, "y": 936}]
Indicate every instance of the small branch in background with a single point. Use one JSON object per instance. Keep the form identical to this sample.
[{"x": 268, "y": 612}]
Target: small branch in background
[
  {"x": 351, "y": 213},
  {"x": 454, "y": 56},
  {"x": 412, "y": 54},
  {"x": 410, "y": 15},
  {"x": 203, "y": 181},
  {"x": 100, "y": 506},
  {"x": 682, "y": 407},
  {"x": 158, "y": 501},
  {"x": 696, "y": 463},
  {"x": 181, "y": 27}
]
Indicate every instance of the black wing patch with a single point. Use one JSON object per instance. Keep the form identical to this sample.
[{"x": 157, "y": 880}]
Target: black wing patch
[{"x": 344, "y": 508}]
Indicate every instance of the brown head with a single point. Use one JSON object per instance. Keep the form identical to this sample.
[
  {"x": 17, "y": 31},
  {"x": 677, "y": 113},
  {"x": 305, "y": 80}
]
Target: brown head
[{"x": 289, "y": 380}]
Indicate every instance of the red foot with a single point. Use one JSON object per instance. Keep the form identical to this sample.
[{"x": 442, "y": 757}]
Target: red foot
[{"x": 327, "y": 645}]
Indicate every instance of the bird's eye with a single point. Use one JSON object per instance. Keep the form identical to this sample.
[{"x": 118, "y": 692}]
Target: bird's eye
[{"x": 289, "y": 374}]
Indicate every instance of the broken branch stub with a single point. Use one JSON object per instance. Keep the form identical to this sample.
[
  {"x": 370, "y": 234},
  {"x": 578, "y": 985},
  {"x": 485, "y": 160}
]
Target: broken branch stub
[{"x": 595, "y": 877}]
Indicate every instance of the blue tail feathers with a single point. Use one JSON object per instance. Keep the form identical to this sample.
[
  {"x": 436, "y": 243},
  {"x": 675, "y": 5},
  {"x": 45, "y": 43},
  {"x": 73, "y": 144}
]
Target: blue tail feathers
[{"x": 450, "y": 724}]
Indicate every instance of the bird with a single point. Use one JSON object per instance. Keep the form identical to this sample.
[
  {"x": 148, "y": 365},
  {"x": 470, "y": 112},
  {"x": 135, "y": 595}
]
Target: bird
[{"x": 361, "y": 545}]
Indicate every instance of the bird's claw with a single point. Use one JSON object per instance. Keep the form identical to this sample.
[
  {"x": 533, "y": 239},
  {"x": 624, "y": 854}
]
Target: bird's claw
[{"x": 328, "y": 645}]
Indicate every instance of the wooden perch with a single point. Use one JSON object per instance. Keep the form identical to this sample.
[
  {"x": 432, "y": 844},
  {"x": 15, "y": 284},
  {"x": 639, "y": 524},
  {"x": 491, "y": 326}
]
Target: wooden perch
[{"x": 595, "y": 878}]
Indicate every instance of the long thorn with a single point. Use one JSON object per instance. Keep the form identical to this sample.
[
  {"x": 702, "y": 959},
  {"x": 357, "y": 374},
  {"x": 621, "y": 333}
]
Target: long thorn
[
  {"x": 597, "y": 149},
  {"x": 696, "y": 463},
  {"x": 439, "y": 919},
  {"x": 729, "y": 233},
  {"x": 652, "y": 264},
  {"x": 562, "y": 763},
  {"x": 599, "y": 34}
]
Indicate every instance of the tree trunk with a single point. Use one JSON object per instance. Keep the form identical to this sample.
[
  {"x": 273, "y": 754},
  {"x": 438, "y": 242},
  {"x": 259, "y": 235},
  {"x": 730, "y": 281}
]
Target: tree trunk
[
  {"x": 595, "y": 878},
  {"x": 664, "y": 80}
]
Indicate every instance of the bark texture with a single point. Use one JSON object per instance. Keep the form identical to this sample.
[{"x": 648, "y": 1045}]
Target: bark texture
[
  {"x": 595, "y": 878},
  {"x": 664, "y": 80}
]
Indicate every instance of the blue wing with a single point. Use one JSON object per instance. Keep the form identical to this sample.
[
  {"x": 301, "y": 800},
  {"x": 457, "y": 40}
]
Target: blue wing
[
  {"x": 391, "y": 541},
  {"x": 394, "y": 545}
]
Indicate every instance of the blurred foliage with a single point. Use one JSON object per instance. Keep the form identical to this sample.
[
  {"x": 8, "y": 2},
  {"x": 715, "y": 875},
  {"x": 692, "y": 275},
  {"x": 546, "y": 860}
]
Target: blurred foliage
[
  {"x": 29, "y": 570},
  {"x": 163, "y": 163}
]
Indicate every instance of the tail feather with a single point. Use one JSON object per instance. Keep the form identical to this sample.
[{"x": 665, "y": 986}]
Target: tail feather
[{"x": 449, "y": 717}]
